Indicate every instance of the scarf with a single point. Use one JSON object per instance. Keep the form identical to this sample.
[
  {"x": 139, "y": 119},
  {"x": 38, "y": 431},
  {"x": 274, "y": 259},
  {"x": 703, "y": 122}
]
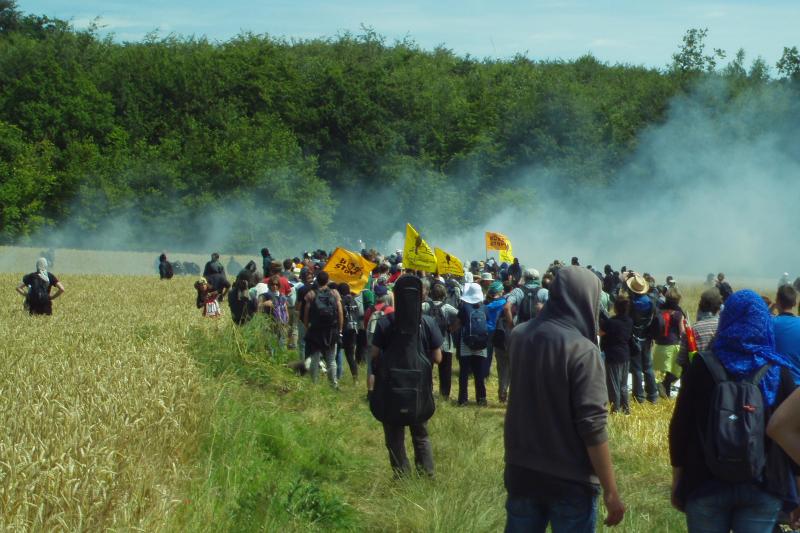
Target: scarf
[
  {"x": 41, "y": 269},
  {"x": 746, "y": 341}
]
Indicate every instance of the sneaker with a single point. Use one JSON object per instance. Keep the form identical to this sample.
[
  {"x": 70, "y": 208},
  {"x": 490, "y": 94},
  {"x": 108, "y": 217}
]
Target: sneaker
[{"x": 482, "y": 402}]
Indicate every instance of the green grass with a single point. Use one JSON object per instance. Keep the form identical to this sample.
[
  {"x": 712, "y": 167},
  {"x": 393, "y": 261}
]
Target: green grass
[{"x": 283, "y": 454}]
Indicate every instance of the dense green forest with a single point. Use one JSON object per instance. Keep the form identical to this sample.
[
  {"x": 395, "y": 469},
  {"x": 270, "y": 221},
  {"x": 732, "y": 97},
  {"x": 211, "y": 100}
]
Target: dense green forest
[{"x": 293, "y": 139}]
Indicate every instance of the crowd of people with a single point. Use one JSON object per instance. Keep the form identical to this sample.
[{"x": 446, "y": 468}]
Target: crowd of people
[{"x": 571, "y": 345}]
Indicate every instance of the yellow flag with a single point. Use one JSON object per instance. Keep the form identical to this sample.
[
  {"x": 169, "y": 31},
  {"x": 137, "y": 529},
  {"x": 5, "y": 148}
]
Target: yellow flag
[
  {"x": 349, "y": 267},
  {"x": 497, "y": 241},
  {"x": 448, "y": 263},
  {"x": 417, "y": 255},
  {"x": 507, "y": 255}
]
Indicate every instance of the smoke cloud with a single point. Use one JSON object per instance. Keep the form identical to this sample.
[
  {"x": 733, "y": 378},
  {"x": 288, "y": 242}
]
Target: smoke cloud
[{"x": 715, "y": 187}]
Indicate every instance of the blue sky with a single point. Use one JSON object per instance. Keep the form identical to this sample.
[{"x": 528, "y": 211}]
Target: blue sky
[{"x": 625, "y": 31}]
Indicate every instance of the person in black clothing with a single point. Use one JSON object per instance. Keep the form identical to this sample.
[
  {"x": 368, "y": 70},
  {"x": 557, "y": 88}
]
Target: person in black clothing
[
  {"x": 430, "y": 339},
  {"x": 266, "y": 259},
  {"x": 515, "y": 271},
  {"x": 36, "y": 286},
  {"x": 213, "y": 267},
  {"x": 350, "y": 330},
  {"x": 616, "y": 333},
  {"x": 219, "y": 283},
  {"x": 744, "y": 344},
  {"x": 243, "y": 307},
  {"x": 165, "y": 270},
  {"x": 724, "y": 287},
  {"x": 609, "y": 280}
]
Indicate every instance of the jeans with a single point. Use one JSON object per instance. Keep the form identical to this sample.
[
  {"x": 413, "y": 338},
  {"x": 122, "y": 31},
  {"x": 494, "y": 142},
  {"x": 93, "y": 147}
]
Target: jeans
[
  {"x": 741, "y": 507},
  {"x": 445, "y": 374},
  {"x": 330, "y": 362},
  {"x": 570, "y": 514},
  {"x": 617, "y": 385},
  {"x": 642, "y": 368},
  {"x": 471, "y": 364},
  {"x": 395, "y": 443}
]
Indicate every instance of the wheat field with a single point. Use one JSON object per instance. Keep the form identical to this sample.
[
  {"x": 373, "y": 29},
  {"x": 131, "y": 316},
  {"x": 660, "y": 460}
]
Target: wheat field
[{"x": 126, "y": 410}]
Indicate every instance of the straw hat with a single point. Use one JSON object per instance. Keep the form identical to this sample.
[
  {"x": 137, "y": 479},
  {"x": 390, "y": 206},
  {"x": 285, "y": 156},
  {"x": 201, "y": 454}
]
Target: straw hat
[
  {"x": 637, "y": 284},
  {"x": 472, "y": 293},
  {"x": 487, "y": 276}
]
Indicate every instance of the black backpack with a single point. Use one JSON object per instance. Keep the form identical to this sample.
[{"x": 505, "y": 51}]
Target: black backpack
[
  {"x": 475, "y": 331},
  {"x": 324, "y": 310},
  {"x": 350, "y": 313},
  {"x": 38, "y": 294},
  {"x": 528, "y": 304},
  {"x": 733, "y": 439},
  {"x": 403, "y": 393},
  {"x": 436, "y": 313}
]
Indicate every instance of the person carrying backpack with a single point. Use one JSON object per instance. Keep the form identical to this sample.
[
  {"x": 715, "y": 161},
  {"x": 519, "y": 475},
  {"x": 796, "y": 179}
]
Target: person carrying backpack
[
  {"x": 474, "y": 334},
  {"x": 404, "y": 349},
  {"x": 727, "y": 473},
  {"x": 669, "y": 327},
  {"x": 445, "y": 316},
  {"x": 520, "y": 303},
  {"x": 350, "y": 330},
  {"x": 324, "y": 321},
  {"x": 35, "y": 287}
]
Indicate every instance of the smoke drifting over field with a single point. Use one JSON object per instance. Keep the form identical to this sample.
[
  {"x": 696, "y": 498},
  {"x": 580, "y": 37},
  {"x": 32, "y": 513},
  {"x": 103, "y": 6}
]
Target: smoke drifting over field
[
  {"x": 704, "y": 192},
  {"x": 715, "y": 187}
]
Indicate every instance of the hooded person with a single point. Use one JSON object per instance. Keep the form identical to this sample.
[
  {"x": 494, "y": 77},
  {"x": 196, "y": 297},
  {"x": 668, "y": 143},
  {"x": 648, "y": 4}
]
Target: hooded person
[
  {"x": 556, "y": 444},
  {"x": 404, "y": 349},
  {"x": 36, "y": 286},
  {"x": 742, "y": 351},
  {"x": 214, "y": 266}
]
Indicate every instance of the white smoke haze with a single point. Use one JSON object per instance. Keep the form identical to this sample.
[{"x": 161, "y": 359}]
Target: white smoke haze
[
  {"x": 704, "y": 192},
  {"x": 715, "y": 187}
]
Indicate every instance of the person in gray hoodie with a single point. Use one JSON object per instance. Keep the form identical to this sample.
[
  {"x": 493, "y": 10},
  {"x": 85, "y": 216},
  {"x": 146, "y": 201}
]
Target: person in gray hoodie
[{"x": 556, "y": 445}]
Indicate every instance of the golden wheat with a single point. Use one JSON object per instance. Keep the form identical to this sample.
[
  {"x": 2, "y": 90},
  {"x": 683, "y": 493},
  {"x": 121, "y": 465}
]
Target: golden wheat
[{"x": 99, "y": 404}]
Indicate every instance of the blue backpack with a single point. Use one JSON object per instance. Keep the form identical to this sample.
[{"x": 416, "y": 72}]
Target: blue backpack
[{"x": 475, "y": 330}]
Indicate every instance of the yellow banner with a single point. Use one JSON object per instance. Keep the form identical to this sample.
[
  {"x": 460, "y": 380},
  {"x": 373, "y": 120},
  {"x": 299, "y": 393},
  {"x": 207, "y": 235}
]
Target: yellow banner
[
  {"x": 417, "y": 255},
  {"x": 448, "y": 263},
  {"x": 349, "y": 267},
  {"x": 497, "y": 241}
]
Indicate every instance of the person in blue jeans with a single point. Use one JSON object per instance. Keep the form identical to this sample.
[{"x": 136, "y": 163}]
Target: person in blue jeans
[
  {"x": 744, "y": 344},
  {"x": 556, "y": 444}
]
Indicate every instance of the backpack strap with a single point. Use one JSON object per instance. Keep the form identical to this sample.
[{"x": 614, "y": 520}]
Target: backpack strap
[
  {"x": 759, "y": 375},
  {"x": 716, "y": 369}
]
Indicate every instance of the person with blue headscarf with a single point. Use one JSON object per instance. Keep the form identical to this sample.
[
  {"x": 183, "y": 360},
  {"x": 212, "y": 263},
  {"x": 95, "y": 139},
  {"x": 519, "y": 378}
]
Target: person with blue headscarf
[{"x": 745, "y": 343}]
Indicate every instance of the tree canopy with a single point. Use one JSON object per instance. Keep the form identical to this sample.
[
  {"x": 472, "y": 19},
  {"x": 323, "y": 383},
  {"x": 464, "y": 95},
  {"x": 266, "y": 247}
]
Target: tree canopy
[{"x": 304, "y": 139}]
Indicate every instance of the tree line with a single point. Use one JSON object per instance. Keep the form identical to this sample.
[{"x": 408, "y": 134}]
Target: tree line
[{"x": 299, "y": 139}]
